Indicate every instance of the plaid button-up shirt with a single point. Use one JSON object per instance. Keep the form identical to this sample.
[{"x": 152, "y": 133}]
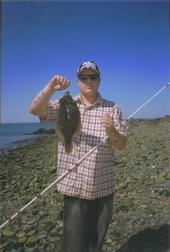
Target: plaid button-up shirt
[{"x": 95, "y": 175}]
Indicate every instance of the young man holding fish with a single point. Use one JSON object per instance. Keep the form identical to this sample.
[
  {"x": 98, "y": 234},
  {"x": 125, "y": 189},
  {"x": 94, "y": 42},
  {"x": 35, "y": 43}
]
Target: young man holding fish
[{"x": 88, "y": 190}]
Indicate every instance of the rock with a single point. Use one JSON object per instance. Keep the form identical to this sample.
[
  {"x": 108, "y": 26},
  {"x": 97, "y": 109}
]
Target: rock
[
  {"x": 44, "y": 131},
  {"x": 141, "y": 198},
  {"x": 22, "y": 240},
  {"x": 21, "y": 235},
  {"x": 148, "y": 240},
  {"x": 42, "y": 235},
  {"x": 7, "y": 233},
  {"x": 32, "y": 240},
  {"x": 53, "y": 238}
]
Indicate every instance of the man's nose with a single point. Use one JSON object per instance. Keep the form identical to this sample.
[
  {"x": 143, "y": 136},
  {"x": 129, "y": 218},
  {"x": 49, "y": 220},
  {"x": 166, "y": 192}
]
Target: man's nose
[{"x": 89, "y": 80}]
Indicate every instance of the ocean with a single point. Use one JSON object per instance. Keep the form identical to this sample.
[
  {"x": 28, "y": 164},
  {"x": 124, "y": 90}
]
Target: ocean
[{"x": 13, "y": 134}]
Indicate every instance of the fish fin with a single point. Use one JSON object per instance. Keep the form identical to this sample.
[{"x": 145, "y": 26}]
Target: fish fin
[
  {"x": 78, "y": 130},
  {"x": 59, "y": 133},
  {"x": 68, "y": 147}
]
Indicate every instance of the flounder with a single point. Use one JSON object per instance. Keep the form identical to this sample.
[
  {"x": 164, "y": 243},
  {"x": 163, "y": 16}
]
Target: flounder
[{"x": 68, "y": 120}]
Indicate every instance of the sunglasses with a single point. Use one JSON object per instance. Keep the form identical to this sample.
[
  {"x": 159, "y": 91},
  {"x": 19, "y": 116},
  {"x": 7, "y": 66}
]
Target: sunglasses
[{"x": 86, "y": 77}]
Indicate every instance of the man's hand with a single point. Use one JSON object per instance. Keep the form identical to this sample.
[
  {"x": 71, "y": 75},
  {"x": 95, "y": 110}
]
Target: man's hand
[
  {"x": 117, "y": 140},
  {"x": 40, "y": 102},
  {"x": 107, "y": 122},
  {"x": 58, "y": 83}
]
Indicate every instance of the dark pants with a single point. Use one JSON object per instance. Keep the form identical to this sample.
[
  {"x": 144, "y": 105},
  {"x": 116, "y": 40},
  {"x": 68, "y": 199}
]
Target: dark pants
[{"x": 86, "y": 223}]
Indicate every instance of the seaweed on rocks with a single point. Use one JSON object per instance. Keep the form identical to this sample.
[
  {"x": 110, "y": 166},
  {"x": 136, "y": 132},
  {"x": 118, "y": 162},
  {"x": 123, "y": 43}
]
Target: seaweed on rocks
[{"x": 141, "y": 200}]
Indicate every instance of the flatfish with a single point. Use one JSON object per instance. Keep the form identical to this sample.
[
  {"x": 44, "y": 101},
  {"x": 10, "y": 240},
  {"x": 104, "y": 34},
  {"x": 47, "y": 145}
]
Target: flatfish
[{"x": 68, "y": 120}]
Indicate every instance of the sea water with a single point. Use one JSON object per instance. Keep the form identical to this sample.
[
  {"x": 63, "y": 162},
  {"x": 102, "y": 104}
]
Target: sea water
[{"x": 13, "y": 133}]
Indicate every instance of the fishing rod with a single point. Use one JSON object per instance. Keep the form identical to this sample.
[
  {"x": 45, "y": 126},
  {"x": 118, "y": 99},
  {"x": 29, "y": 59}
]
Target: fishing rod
[{"x": 76, "y": 164}]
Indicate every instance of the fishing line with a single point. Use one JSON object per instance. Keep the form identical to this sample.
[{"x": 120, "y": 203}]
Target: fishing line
[{"x": 76, "y": 164}]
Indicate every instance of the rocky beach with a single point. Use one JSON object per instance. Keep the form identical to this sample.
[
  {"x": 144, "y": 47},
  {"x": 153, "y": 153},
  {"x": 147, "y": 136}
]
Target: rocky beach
[{"x": 141, "y": 216}]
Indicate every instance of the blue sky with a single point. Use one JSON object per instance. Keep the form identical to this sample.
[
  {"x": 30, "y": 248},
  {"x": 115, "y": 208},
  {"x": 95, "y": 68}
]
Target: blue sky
[{"x": 129, "y": 40}]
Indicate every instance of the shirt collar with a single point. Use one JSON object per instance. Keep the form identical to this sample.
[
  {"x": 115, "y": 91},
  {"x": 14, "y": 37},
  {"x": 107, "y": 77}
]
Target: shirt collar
[{"x": 99, "y": 99}]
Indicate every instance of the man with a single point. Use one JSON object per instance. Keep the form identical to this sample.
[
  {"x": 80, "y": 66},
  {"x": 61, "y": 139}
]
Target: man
[{"x": 88, "y": 190}]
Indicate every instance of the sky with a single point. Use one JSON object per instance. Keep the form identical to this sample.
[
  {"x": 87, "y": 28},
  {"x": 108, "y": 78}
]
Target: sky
[{"x": 129, "y": 40}]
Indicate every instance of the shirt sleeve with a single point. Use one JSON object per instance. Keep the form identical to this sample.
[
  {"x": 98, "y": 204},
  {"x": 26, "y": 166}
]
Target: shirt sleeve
[
  {"x": 51, "y": 115},
  {"x": 119, "y": 122}
]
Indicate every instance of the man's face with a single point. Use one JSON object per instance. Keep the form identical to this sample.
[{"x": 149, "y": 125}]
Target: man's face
[{"x": 88, "y": 82}]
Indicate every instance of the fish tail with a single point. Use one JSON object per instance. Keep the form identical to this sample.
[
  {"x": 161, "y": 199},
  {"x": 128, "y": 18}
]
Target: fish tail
[{"x": 68, "y": 145}]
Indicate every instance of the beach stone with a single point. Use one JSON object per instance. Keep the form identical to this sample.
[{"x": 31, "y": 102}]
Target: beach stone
[
  {"x": 34, "y": 249},
  {"x": 3, "y": 245},
  {"x": 53, "y": 238},
  {"x": 31, "y": 232},
  {"x": 32, "y": 240},
  {"x": 51, "y": 247},
  {"x": 42, "y": 236},
  {"x": 60, "y": 223},
  {"x": 21, "y": 235},
  {"x": 7, "y": 233},
  {"x": 109, "y": 241},
  {"x": 32, "y": 222},
  {"x": 12, "y": 246},
  {"x": 44, "y": 131},
  {"x": 42, "y": 217},
  {"x": 54, "y": 231},
  {"x": 141, "y": 198},
  {"x": 49, "y": 226},
  {"x": 22, "y": 240}
]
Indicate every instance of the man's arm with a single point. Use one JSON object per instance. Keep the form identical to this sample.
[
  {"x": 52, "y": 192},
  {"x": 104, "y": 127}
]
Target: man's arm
[
  {"x": 40, "y": 102},
  {"x": 117, "y": 139}
]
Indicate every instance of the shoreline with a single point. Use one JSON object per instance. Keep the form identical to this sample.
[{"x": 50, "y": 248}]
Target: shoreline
[
  {"x": 22, "y": 143},
  {"x": 141, "y": 199},
  {"x": 43, "y": 133}
]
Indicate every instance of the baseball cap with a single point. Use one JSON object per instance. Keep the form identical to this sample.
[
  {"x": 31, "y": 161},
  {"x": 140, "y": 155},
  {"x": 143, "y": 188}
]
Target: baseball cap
[{"x": 88, "y": 64}]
